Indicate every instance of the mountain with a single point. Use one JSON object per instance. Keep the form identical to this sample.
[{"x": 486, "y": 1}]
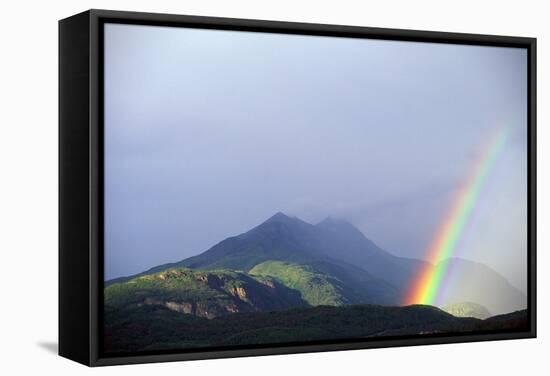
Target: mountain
[
  {"x": 467, "y": 309},
  {"x": 283, "y": 238},
  {"x": 201, "y": 293},
  {"x": 468, "y": 281},
  {"x": 290, "y": 240},
  {"x": 159, "y": 328},
  {"x": 353, "y": 268}
]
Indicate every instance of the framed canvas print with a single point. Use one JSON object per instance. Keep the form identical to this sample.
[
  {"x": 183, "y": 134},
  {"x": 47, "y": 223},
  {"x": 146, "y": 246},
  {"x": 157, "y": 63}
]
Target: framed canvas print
[{"x": 236, "y": 187}]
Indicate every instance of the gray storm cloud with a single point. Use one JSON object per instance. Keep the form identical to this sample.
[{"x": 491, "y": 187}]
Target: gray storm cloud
[{"x": 208, "y": 133}]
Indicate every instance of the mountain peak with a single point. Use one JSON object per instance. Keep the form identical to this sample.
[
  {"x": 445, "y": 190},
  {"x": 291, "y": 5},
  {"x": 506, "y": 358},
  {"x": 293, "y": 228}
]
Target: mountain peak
[
  {"x": 281, "y": 217},
  {"x": 277, "y": 217}
]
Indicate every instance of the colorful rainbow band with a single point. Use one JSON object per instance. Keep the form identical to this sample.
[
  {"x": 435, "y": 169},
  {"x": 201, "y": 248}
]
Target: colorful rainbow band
[{"x": 427, "y": 284}]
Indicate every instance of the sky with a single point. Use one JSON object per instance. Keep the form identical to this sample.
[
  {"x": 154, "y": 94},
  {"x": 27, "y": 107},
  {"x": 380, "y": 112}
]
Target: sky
[{"x": 208, "y": 133}]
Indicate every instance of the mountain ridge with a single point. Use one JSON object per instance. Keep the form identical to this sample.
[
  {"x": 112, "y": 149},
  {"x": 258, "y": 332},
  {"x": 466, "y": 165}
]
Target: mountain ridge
[
  {"x": 338, "y": 250},
  {"x": 294, "y": 240}
]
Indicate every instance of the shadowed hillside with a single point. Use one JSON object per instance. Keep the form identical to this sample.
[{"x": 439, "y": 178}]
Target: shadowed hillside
[{"x": 158, "y": 328}]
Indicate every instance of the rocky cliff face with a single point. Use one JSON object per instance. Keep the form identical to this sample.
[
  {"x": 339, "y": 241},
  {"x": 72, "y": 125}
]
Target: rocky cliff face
[{"x": 205, "y": 294}]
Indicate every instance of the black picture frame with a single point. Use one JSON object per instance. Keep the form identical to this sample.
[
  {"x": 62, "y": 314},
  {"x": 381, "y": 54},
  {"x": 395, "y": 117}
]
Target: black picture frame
[{"x": 81, "y": 181}]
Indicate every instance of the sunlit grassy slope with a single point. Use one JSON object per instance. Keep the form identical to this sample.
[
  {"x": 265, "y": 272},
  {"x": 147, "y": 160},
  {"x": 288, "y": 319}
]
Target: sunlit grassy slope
[{"x": 315, "y": 287}]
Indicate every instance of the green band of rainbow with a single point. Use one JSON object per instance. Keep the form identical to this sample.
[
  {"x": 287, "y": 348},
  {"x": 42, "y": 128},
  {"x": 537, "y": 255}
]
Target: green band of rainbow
[{"x": 425, "y": 287}]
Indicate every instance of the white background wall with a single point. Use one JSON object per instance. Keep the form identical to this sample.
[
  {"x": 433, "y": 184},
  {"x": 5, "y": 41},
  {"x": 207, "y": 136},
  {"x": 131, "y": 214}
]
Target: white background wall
[{"x": 28, "y": 185}]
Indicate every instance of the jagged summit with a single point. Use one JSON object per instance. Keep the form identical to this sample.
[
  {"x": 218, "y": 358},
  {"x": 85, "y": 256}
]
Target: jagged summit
[
  {"x": 278, "y": 217},
  {"x": 282, "y": 221},
  {"x": 329, "y": 223}
]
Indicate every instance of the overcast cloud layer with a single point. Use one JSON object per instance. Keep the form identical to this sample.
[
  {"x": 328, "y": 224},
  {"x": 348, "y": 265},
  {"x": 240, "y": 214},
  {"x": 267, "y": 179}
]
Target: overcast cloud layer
[{"x": 208, "y": 133}]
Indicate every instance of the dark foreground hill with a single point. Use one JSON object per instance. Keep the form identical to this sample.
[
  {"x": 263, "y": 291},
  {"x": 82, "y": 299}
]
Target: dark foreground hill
[{"x": 154, "y": 327}]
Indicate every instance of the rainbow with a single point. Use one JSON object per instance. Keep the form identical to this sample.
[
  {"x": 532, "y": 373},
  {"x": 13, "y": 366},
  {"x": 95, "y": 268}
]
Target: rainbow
[{"x": 426, "y": 285}]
